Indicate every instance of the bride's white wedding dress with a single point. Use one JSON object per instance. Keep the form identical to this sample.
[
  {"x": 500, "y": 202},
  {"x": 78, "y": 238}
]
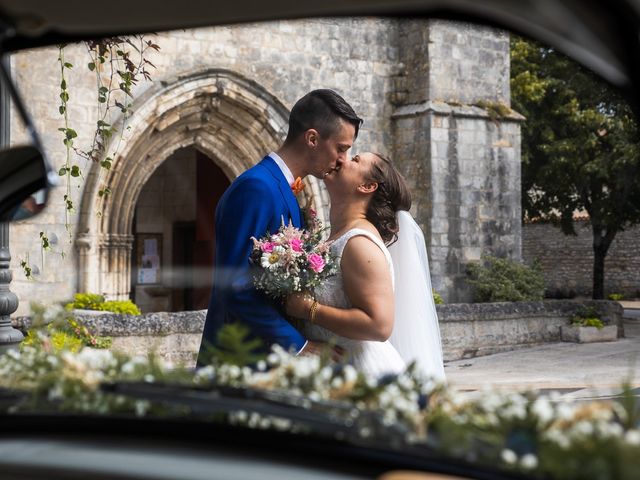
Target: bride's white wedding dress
[
  {"x": 371, "y": 357},
  {"x": 416, "y": 332}
]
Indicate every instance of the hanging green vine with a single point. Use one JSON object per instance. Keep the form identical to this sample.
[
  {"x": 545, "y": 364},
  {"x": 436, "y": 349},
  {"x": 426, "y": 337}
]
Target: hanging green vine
[
  {"x": 118, "y": 64},
  {"x": 113, "y": 55},
  {"x": 67, "y": 170}
]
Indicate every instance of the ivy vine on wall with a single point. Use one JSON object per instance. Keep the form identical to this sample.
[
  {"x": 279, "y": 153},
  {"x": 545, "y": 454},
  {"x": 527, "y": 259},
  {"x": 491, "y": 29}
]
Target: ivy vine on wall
[{"x": 119, "y": 64}]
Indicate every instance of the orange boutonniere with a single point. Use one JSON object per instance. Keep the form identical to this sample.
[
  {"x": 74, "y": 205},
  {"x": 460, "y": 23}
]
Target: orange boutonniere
[{"x": 297, "y": 186}]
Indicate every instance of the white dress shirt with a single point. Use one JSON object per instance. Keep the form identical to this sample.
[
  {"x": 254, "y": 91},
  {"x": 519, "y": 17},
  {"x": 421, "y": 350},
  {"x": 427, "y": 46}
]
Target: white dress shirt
[
  {"x": 283, "y": 167},
  {"x": 289, "y": 176}
]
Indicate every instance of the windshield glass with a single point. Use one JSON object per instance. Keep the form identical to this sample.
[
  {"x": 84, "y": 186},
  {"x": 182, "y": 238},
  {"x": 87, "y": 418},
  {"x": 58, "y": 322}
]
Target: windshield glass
[{"x": 224, "y": 244}]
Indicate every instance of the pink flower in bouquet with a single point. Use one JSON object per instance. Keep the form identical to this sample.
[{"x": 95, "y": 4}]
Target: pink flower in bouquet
[
  {"x": 267, "y": 247},
  {"x": 289, "y": 232},
  {"x": 323, "y": 247},
  {"x": 296, "y": 245},
  {"x": 316, "y": 262}
]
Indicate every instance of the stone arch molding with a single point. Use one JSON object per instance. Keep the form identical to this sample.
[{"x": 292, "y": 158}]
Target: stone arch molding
[{"x": 230, "y": 119}]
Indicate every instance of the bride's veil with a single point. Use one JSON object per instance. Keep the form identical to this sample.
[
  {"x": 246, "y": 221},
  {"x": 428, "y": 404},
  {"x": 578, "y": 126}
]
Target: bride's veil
[{"x": 416, "y": 333}]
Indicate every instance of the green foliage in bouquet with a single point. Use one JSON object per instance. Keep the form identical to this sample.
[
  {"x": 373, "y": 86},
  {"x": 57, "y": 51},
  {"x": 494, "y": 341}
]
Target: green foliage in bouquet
[
  {"x": 503, "y": 280},
  {"x": 93, "y": 301}
]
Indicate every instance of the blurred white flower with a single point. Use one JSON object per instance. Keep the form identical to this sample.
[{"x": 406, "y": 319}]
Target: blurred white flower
[
  {"x": 564, "y": 411},
  {"x": 558, "y": 437},
  {"x": 350, "y": 373},
  {"x": 529, "y": 461},
  {"x": 52, "y": 313},
  {"x": 609, "y": 429},
  {"x": 583, "y": 427},
  {"x": 326, "y": 373},
  {"x": 543, "y": 409},
  {"x": 509, "y": 456},
  {"x": 632, "y": 437},
  {"x": 97, "y": 359}
]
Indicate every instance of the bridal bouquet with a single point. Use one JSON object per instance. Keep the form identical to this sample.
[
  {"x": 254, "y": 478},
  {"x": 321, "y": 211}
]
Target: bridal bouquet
[{"x": 292, "y": 260}]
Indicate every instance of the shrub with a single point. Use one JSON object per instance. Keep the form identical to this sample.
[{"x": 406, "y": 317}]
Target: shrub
[
  {"x": 62, "y": 330},
  {"x": 616, "y": 297},
  {"x": 86, "y": 301},
  {"x": 126, "y": 307},
  {"x": 60, "y": 340},
  {"x": 92, "y": 301},
  {"x": 437, "y": 298},
  {"x": 560, "y": 293},
  {"x": 587, "y": 317},
  {"x": 503, "y": 280}
]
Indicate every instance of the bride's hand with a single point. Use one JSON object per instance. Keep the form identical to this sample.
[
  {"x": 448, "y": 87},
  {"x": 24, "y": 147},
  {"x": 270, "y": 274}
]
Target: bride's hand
[{"x": 298, "y": 305}]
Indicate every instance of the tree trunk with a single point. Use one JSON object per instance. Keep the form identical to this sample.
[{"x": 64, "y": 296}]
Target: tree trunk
[
  {"x": 601, "y": 242},
  {"x": 598, "y": 273}
]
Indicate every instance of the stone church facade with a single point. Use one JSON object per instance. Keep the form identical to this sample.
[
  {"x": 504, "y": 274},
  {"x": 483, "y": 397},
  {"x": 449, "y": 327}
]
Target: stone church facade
[{"x": 428, "y": 91}]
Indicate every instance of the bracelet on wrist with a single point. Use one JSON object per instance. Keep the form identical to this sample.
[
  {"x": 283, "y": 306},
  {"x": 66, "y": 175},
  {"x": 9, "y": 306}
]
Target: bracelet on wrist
[{"x": 312, "y": 311}]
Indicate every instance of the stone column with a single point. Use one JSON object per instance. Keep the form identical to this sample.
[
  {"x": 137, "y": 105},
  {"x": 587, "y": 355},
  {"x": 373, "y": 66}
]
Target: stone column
[
  {"x": 9, "y": 336},
  {"x": 115, "y": 266},
  {"x": 458, "y": 144}
]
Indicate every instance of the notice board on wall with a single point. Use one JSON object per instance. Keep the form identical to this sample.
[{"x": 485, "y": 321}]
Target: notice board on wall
[{"x": 149, "y": 254}]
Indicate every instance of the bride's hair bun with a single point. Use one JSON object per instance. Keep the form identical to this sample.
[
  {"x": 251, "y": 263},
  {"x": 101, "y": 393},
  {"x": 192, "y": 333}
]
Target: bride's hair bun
[{"x": 392, "y": 195}]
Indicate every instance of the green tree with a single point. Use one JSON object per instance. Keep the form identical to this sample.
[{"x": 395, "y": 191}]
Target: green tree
[{"x": 579, "y": 148}]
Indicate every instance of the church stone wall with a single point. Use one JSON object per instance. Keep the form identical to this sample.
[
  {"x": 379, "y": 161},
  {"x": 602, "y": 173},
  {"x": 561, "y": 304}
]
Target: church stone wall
[
  {"x": 413, "y": 81},
  {"x": 461, "y": 160},
  {"x": 468, "y": 64},
  {"x": 356, "y": 57}
]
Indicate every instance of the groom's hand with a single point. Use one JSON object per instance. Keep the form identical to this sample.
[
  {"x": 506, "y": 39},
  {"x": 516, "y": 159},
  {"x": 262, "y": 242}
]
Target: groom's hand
[{"x": 319, "y": 348}]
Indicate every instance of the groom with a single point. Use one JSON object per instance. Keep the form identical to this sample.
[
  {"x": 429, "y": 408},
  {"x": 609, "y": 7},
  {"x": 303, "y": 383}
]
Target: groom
[{"x": 322, "y": 128}]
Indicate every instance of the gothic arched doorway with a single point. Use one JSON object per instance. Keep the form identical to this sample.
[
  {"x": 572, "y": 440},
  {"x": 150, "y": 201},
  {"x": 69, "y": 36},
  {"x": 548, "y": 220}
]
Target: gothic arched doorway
[
  {"x": 217, "y": 113},
  {"x": 174, "y": 233}
]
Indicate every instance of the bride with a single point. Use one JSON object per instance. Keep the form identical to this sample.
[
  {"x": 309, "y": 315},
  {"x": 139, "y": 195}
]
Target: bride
[{"x": 378, "y": 307}]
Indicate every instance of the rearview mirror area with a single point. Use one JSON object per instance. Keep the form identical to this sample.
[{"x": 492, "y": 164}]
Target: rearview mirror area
[
  {"x": 25, "y": 175},
  {"x": 23, "y": 183}
]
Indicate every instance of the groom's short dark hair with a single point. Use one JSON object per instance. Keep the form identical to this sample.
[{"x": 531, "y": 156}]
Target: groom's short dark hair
[{"x": 322, "y": 110}]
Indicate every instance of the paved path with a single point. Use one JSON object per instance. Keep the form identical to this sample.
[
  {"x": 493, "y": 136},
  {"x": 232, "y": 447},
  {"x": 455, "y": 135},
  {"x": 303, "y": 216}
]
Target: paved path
[
  {"x": 632, "y": 313},
  {"x": 577, "y": 370},
  {"x": 631, "y": 309}
]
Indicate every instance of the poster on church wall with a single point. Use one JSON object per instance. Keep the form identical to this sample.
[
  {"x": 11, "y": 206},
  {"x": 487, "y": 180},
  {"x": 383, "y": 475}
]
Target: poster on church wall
[{"x": 149, "y": 249}]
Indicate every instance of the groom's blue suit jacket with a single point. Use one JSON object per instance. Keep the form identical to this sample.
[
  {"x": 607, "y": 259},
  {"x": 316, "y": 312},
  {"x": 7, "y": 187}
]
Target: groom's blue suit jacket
[{"x": 255, "y": 203}]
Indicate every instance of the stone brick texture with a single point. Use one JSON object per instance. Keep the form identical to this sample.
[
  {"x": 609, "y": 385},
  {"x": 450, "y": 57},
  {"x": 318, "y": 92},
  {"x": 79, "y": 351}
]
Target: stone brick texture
[
  {"x": 464, "y": 163},
  {"x": 463, "y": 166}
]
